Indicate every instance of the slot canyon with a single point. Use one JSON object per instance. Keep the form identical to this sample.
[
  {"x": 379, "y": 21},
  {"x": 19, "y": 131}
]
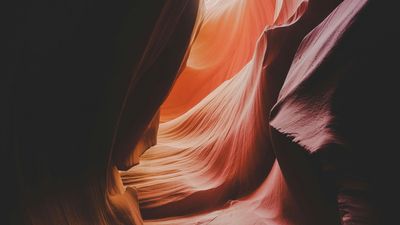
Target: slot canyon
[{"x": 195, "y": 112}]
